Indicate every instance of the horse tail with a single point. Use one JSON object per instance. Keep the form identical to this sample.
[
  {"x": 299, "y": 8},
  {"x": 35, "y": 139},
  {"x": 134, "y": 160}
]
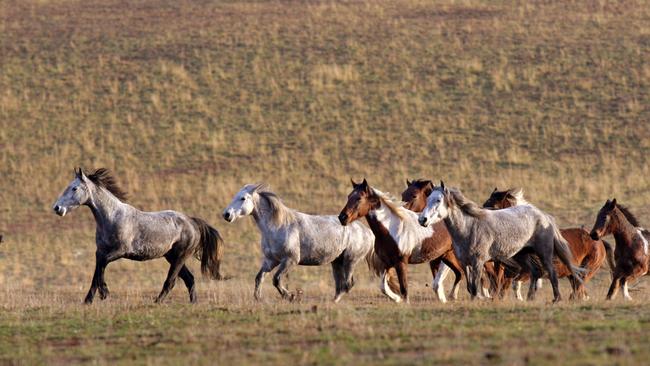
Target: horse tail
[
  {"x": 210, "y": 250},
  {"x": 378, "y": 267},
  {"x": 561, "y": 249},
  {"x": 609, "y": 254}
]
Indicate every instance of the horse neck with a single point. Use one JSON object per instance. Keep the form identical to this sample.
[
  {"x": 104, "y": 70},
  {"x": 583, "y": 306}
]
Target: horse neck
[
  {"x": 104, "y": 206},
  {"x": 386, "y": 217},
  {"x": 623, "y": 230},
  {"x": 457, "y": 221},
  {"x": 376, "y": 226},
  {"x": 262, "y": 214}
]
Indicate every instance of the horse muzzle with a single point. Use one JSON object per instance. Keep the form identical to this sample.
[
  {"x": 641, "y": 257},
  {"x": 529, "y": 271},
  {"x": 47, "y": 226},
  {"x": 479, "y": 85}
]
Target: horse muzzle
[
  {"x": 423, "y": 221},
  {"x": 61, "y": 211},
  {"x": 228, "y": 216}
]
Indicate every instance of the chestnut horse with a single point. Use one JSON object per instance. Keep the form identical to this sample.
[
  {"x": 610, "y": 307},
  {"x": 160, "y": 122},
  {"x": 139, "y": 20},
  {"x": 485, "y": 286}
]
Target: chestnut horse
[
  {"x": 631, "y": 245},
  {"x": 399, "y": 240},
  {"x": 587, "y": 253},
  {"x": 415, "y": 199}
]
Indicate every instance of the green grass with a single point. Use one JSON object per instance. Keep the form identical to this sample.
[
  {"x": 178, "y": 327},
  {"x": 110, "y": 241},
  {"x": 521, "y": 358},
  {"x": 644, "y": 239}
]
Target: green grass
[
  {"x": 186, "y": 101},
  {"x": 365, "y": 328}
]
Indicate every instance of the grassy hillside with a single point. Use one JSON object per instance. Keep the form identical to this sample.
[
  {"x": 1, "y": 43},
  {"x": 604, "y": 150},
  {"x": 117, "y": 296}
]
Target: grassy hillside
[{"x": 186, "y": 101}]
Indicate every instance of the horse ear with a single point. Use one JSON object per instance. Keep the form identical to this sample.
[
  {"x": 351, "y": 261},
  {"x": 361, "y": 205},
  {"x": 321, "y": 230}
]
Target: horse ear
[
  {"x": 430, "y": 186},
  {"x": 614, "y": 202},
  {"x": 408, "y": 184},
  {"x": 354, "y": 185},
  {"x": 495, "y": 189},
  {"x": 442, "y": 185},
  {"x": 365, "y": 185}
]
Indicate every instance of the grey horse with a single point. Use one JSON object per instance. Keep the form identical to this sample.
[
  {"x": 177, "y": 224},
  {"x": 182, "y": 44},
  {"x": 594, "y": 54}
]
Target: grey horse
[
  {"x": 290, "y": 237},
  {"x": 480, "y": 235},
  {"x": 125, "y": 232}
]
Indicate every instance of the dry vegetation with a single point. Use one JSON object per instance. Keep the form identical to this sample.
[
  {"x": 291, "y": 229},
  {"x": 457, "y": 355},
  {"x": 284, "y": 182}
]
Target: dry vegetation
[{"x": 188, "y": 100}]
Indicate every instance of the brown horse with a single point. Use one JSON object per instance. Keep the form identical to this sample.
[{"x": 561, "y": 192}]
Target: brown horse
[
  {"x": 631, "y": 245},
  {"x": 415, "y": 199},
  {"x": 399, "y": 240},
  {"x": 587, "y": 253}
]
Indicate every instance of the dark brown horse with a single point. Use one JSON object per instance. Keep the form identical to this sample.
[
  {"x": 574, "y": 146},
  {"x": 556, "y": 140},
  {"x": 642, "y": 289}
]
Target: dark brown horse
[
  {"x": 415, "y": 199},
  {"x": 631, "y": 245},
  {"x": 398, "y": 239},
  {"x": 587, "y": 253}
]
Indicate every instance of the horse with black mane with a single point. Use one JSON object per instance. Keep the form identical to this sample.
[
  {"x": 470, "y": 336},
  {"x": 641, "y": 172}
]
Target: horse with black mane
[
  {"x": 632, "y": 251},
  {"x": 126, "y": 232}
]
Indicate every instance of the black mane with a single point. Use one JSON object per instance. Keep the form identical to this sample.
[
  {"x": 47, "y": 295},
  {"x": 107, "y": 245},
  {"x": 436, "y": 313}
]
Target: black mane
[{"x": 103, "y": 178}]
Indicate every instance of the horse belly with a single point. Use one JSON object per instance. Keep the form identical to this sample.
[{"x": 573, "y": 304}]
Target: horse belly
[
  {"x": 142, "y": 252},
  {"x": 317, "y": 258}
]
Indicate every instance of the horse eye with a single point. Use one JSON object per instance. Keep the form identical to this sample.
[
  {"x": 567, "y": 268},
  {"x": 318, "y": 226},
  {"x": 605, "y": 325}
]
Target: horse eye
[
  {"x": 243, "y": 198},
  {"x": 74, "y": 189}
]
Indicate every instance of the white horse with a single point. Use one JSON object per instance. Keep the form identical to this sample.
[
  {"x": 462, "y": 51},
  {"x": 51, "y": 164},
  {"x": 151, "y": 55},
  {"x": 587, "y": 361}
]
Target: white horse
[
  {"x": 480, "y": 235},
  {"x": 290, "y": 237}
]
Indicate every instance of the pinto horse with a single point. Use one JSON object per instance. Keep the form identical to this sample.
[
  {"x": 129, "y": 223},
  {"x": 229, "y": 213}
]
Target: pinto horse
[
  {"x": 415, "y": 199},
  {"x": 632, "y": 248},
  {"x": 589, "y": 254},
  {"x": 399, "y": 240}
]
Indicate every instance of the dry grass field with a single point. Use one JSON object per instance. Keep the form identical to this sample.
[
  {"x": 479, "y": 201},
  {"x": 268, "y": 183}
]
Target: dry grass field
[{"x": 186, "y": 101}]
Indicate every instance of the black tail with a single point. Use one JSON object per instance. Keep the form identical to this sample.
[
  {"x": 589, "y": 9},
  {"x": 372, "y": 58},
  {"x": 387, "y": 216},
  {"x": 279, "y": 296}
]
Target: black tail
[
  {"x": 211, "y": 249},
  {"x": 609, "y": 254}
]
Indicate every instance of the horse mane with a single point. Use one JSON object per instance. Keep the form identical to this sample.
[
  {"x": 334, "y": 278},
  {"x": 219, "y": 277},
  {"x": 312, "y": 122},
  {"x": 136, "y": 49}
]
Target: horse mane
[
  {"x": 628, "y": 215},
  {"x": 465, "y": 205},
  {"x": 389, "y": 202},
  {"x": 102, "y": 177},
  {"x": 280, "y": 214},
  {"x": 518, "y": 195},
  {"x": 421, "y": 183}
]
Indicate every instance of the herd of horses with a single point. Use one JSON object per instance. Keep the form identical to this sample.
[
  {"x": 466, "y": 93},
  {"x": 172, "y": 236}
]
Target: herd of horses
[{"x": 506, "y": 241}]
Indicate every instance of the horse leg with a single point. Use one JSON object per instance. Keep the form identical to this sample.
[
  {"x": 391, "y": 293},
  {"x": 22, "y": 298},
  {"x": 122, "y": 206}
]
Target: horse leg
[
  {"x": 485, "y": 286},
  {"x": 613, "y": 288},
  {"x": 574, "y": 288},
  {"x": 516, "y": 287},
  {"x": 385, "y": 287},
  {"x": 475, "y": 279},
  {"x": 285, "y": 265},
  {"x": 452, "y": 262},
  {"x": 175, "y": 264},
  {"x": 98, "y": 279},
  {"x": 402, "y": 276},
  {"x": 267, "y": 266},
  {"x": 552, "y": 275},
  {"x": 348, "y": 274},
  {"x": 439, "y": 271},
  {"x": 188, "y": 279},
  {"x": 626, "y": 292},
  {"x": 339, "y": 277}
]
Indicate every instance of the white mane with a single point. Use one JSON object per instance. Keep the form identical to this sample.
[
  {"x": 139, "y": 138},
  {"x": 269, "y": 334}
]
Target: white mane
[
  {"x": 518, "y": 195},
  {"x": 401, "y": 223}
]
